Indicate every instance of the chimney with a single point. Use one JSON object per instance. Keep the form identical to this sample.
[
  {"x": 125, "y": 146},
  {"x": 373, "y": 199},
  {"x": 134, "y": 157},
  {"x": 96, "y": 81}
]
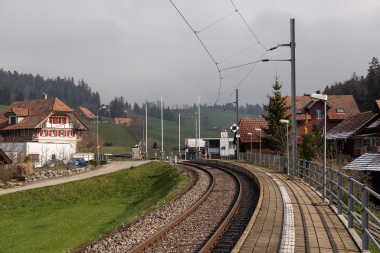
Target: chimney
[{"x": 44, "y": 95}]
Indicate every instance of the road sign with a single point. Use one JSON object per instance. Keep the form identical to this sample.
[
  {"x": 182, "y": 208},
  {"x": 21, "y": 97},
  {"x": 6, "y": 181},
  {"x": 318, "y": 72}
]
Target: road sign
[{"x": 234, "y": 128}]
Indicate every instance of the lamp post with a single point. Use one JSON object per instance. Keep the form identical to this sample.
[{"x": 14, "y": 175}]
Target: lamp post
[
  {"x": 285, "y": 121},
  {"x": 322, "y": 97},
  {"x": 251, "y": 145},
  {"x": 259, "y": 130},
  {"x": 97, "y": 128}
]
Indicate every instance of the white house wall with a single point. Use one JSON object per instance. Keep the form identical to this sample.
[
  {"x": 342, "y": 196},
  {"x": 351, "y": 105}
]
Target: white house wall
[{"x": 62, "y": 151}]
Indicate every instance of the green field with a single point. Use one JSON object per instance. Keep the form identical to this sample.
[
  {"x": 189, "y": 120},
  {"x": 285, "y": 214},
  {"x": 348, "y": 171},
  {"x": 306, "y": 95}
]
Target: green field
[
  {"x": 61, "y": 218},
  {"x": 125, "y": 137}
]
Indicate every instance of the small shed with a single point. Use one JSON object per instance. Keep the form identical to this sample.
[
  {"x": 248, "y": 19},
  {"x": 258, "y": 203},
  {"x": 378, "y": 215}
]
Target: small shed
[{"x": 368, "y": 162}]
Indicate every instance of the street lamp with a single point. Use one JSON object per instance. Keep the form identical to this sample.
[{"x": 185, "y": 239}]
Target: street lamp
[
  {"x": 259, "y": 130},
  {"x": 97, "y": 129},
  {"x": 322, "y": 97},
  {"x": 285, "y": 121},
  {"x": 251, "y": 145}
]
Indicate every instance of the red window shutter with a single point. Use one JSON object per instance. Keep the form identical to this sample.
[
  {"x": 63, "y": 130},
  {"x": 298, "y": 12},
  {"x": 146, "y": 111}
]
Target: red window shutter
[
  {"x": 64, "y": 120},
  {"x": 57, "y": 133},
  {"x": 41, "y": 132},
  {"x": 50, "y": 120}
]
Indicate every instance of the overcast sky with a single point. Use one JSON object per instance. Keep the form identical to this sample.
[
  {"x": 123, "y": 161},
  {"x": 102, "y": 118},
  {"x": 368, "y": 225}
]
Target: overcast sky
[{"x": 140, "y": 49}]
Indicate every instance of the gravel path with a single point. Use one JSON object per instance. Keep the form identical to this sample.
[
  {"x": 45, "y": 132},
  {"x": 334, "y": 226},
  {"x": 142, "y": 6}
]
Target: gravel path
[{"x": 105, "y": 169}]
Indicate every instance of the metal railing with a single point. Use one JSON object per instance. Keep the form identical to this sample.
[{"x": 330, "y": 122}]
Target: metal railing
[{"x": 349, "y": 197}]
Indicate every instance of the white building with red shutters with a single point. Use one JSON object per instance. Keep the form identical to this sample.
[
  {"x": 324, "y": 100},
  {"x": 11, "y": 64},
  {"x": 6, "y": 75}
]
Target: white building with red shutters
[{"x": 45, "y": 129}]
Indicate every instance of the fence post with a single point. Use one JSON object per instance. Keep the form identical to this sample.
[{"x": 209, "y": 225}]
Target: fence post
[
  {"x": 350, "y": 203},
  {"x": 365, "y": 239},
  {"x": 339, "y": 201},
  {"x": 316, "y": 176},
  {"x": 331, "y": 186}
]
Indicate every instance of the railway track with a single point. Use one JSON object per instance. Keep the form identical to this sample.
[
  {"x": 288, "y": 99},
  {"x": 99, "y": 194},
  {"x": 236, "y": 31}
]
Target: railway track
[
  {"x": 125, "y": 238},
  {"x": 215, "y": 223},
  {"x": 209, "y": 216}
]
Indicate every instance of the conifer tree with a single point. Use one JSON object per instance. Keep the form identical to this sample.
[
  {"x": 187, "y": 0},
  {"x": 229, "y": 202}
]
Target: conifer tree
[{"x": 275, "y": 135}]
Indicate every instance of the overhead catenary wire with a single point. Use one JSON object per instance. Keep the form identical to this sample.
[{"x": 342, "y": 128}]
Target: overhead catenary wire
[
  {"x": 216, "y": 22},
  {"x": 243, "y": 65}
]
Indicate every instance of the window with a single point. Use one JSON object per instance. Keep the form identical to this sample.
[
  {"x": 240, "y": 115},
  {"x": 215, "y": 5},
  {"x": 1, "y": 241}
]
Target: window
[
  {"x": 12, "y": 120},
  {"x": 318, "y": 114},
  {"x": 298, "y": 111},
  {"x": 62, "y": 133},
  {"x": 71, "y": 133},
  {"x": 35, "y": 157},
  {"x": 339, "y": 110},
  {"x": 52, "y": 133}
]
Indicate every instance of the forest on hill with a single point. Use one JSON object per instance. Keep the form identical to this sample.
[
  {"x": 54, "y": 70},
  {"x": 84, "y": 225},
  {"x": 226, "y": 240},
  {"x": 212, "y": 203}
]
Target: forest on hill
[
  {"x": 18, "y": 87},
  {"x": 366, "y": 90}
]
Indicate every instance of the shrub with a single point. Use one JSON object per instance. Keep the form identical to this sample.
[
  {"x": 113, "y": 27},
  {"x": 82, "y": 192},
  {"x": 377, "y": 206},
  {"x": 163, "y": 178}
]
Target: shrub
[
  {"x": 25, "y": 169},
  {"x": 93, "y": 163},
  {"x": 28, "y": 159},
  {"x": 6, "y": 175}
]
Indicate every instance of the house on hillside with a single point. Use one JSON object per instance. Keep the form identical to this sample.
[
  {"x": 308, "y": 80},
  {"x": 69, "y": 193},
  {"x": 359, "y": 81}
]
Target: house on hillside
[
  {"x": 86, "y": 115},
  {"x": 121, "y": 121},
  {"x": 358, "y": 134},
  {"x": 310, "y": 112},
  {"x": 45, "y": 129},
  {"x": 250, "y": 130}
]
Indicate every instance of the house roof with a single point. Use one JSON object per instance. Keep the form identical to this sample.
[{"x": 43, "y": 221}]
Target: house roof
[
  {"x": 248, "y": 125},
  {"x": 334, "y": 102},
  {"x": 368, "y": 161},
  {"x": 86, "y": 112},
  {"x": 350, "y": 126},
  {"x": 37, "y": 111},
  {"x": 376, "y": 107}
]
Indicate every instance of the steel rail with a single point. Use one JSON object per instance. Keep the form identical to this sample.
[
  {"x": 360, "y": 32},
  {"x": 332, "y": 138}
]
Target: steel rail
[{"x": 141, "y": 247}]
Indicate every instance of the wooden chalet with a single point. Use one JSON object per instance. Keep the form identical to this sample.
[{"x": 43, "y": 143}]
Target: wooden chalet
[
  {"x": 310, "y": 112},
  {"x": 46, "y": 129},
  {"x": 358, "y": 134}
]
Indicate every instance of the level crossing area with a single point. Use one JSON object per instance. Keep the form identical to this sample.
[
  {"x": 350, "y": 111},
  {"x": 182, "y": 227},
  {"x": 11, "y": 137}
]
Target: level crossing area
[{"x": 291, "y": 217}]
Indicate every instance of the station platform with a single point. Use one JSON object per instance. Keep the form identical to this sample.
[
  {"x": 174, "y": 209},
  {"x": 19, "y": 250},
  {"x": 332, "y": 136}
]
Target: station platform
[{"x": 291, "y": 217}]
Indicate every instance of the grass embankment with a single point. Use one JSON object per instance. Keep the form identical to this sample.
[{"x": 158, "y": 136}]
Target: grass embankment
[{"x": 61, "y": 218}]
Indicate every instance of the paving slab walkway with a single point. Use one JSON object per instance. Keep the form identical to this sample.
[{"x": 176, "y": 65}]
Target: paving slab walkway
[{"x": 292, "y": 218}]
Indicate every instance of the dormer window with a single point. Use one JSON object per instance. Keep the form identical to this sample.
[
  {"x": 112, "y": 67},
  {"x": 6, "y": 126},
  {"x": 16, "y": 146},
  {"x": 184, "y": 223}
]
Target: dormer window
[
  {"x": 12, "y": 120},
  {"x": 298, "y": 111},
  {"x": 339, "y": 110}
]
